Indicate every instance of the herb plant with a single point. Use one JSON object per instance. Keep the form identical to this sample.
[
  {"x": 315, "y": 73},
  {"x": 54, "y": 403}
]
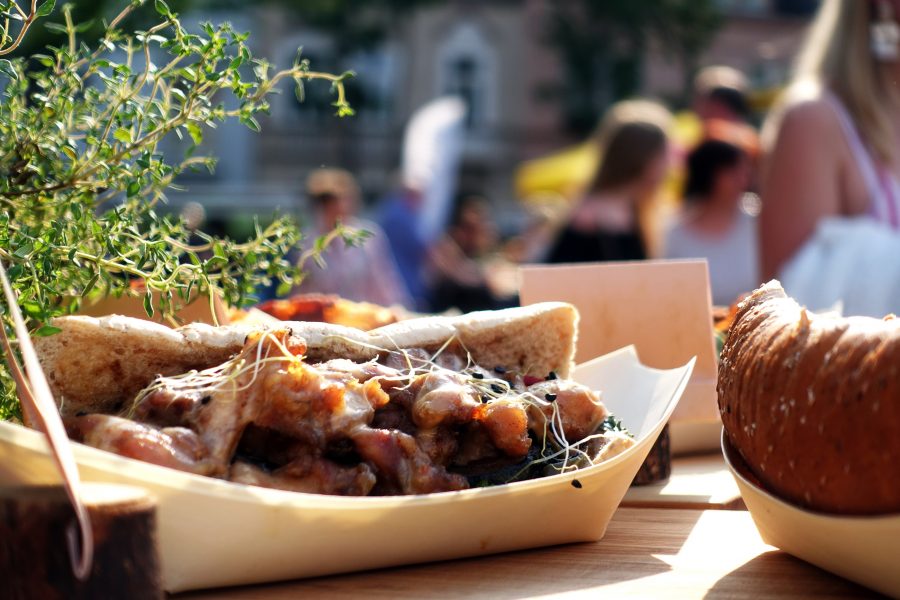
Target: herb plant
[{"x": 81, "y": 171}]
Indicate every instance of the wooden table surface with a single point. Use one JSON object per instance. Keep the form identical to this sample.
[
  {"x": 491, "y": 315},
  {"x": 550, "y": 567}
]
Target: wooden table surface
[
  {"x": 701, "y": 482},
  {"x": 646, "y": 553}
]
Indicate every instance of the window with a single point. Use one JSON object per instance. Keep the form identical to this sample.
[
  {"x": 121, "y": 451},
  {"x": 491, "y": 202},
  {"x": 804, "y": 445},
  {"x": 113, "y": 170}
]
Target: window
[{"x": 467, "y": 67}]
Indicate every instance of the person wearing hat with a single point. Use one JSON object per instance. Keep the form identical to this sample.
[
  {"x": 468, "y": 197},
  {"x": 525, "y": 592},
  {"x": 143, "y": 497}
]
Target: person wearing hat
[{"x": 362, "y": 273}]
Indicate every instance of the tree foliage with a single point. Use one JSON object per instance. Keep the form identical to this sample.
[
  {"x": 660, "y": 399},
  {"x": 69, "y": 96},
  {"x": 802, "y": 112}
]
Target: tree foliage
[{"x": 603, "y": 43}]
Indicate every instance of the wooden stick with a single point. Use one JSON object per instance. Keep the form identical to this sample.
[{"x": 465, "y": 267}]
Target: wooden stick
[{"x": 39, "y": 405}]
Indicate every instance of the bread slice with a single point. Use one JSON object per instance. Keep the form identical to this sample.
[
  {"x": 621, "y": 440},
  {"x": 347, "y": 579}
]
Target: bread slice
[
  {"x": 93, "y": 364},
  {"x": 96, "y": 364},
  {"x": 534, "y": 339}
]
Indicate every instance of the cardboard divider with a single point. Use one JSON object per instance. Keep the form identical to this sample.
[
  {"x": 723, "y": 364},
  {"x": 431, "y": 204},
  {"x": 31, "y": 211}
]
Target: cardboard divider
[{"x": 663, "y": 308}]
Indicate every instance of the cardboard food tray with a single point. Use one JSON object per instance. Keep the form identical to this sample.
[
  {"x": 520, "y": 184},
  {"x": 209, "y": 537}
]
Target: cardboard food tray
[
  {"x": 215, "y": 533},
  {"x": 663, "y": 307},
  {"x": 863, "y": 549}
]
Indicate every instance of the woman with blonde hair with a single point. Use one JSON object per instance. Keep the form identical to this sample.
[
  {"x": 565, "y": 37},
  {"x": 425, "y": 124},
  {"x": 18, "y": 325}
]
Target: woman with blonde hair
[
  {"x": 615, "y": 218},
  {"x": 831, "y": 170}
]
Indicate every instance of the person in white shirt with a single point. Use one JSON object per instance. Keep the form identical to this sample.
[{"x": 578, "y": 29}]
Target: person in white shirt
[{"x": 718, "y": 220}]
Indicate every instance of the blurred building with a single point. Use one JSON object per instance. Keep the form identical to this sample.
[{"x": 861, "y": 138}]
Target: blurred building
[{"x": 491, "y": 53}]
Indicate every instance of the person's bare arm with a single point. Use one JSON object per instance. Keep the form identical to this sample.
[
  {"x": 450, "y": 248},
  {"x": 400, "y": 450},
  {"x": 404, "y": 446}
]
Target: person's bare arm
[{"x": 801, "y": 182}]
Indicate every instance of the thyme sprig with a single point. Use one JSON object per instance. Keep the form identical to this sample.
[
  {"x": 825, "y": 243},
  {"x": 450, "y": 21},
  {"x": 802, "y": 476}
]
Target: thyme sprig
[{"x": 82, "y": 168}]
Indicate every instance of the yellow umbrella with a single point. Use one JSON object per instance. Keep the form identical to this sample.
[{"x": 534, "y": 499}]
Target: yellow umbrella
[{"x": 561, "y": 174}]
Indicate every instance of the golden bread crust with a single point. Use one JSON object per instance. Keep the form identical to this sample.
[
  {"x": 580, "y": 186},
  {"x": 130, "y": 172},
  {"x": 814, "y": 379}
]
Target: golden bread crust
[{"x": 812, "y": 403}]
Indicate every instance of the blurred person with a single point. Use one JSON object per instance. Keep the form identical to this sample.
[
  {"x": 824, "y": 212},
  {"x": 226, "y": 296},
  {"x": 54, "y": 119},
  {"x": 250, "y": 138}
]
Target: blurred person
[
  {"x": 460, "y": 262},
  {"x": 714, "y": 223},
  {"x": 364, "y": 273},
  {"x": 194, "y": 216},
  {"x": 831, "y": 173},
  {"x": 399, "y": 218},
  {"x": 615, "y": 218},
  {"x": 533, "y": 242},
  {"x": 720, "y": 92}
]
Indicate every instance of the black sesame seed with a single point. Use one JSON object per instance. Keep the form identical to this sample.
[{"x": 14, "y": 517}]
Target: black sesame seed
[
  {"x": 484, "y": 399},
  {"x": 576, "y": 484},
  {"x": 478, "y": 375},
  {"x": 552, "y": 375},
  {"x": 550, "y": 397},
  {"x": 497, "y": 388},
  {"x": 80, "y": 413},
  {"x": 205, "y": 400},
  {"x": 500, "y": 370}
]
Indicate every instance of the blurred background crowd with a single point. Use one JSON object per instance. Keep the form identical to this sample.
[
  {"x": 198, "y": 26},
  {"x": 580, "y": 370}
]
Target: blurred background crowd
[{"x": 758, "y": 134}]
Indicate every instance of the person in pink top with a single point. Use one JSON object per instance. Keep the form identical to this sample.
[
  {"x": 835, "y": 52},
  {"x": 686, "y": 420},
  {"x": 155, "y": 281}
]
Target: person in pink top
[{"x": 832, "y": 146}]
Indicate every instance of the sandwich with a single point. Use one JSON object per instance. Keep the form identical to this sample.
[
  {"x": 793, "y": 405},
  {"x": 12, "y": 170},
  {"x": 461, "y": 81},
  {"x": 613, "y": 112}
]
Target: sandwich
[{"x": 426, "y": 405}]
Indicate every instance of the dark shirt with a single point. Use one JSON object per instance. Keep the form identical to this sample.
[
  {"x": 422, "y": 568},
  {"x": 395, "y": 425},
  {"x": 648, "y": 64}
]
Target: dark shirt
[
  {"x": 449, "y": 294},
  {"x": 575, "y": 246}
]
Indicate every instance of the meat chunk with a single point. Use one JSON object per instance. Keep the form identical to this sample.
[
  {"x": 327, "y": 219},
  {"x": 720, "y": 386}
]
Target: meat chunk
[
  {"x": 168, "y": 408},
  {"x": 401, "y": 466},
  {"x": 173, "y": 447},
  {"x": 443, "y": 397},
  {"x": 439, "y": 444},
  {"x": 362, "y": 372},
  {"x": 308, "y": 474},
  {"x": 274, "y": 389},
  {"x": 579, "y": 409},
  {"x": 506, "y": 423}
]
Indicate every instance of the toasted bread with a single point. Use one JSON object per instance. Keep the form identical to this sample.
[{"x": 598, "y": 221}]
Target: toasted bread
[{"x": 96, "y": 364}]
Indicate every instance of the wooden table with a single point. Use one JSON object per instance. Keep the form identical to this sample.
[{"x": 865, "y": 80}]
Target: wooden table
[
  {"x": 698, "y": 482},
  {"x": 647, "y": 553}
]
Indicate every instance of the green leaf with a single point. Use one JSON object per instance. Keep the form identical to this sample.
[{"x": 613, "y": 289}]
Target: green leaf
[
  {"x": 216, "y": 262},
  {"x": 90, "y": 284},
  {"x": 24, "y": 250},
  {"x": 344, "y": 110},
  {"x": 283, "y": 289},
  {"x": 32, "y": 308},
  {"x": 47, "y": 330},
  {"x": 123, "y": 135},
  {"x": 251, "y": 124},
  {"x": 299, "y": 91},
  {"x": 196, "y": 132},
  {"x": 6, "y": 67},
  {"x": 148, "y": 303},
  {"x": 46, "y": 8},
  {"x": 162, "y": 8},
  {"x": 85, "y": 26}
]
